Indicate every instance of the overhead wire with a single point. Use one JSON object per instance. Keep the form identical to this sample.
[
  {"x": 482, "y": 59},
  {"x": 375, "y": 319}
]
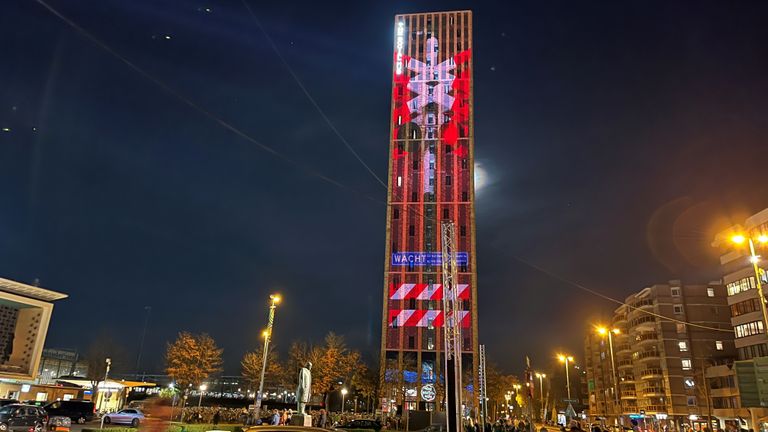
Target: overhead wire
[
  {"x": 309, "y": 96},
  {"x": 221, "y": 122}
]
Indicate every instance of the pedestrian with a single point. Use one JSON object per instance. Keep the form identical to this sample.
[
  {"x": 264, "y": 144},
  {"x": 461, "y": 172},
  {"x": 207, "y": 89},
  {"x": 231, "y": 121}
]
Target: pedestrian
[
  {"x": 323, "y": 420},
  {"x": 275, "y": 418},
  {"x": 217, "y": 417}
]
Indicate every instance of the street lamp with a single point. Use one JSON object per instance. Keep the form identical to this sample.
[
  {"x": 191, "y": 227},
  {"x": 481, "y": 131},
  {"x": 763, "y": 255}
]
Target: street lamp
[
  {"x": 564, "y": 358},
  {"x": 754, "y": 259},
  {"x": 202, "y": 389},
  {"x": 508, "y": 396},
  {"x": 275, "y": 299},
  {"x": 541, "y": 377},
  {"x": 610, "y": 332},
  {"x": 343, "y": 394}
]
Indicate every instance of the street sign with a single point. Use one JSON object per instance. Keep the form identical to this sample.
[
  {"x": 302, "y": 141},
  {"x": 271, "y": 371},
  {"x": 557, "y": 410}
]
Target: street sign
[{"x": 570, "y": 412}]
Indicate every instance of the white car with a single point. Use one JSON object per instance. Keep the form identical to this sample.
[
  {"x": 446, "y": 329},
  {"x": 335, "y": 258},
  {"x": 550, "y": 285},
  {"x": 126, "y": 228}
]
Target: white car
[{"x": 130, "y": 416}]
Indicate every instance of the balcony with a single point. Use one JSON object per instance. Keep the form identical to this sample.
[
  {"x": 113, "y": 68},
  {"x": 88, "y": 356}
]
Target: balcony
[
  {"x": 646, "y": 338},
  {"x": 644, "y": 321},
  {"x": 627, "y": 379},
  {"x": 623, "y": 348},
  {"x": 653, "y": 392},
  {"x": 628, "y": 395},
  {"x": 651, "y": 373},
  {"x": 624, "y": 364},
  {"x": 654, "y": 408},
  {"x": 648, "y": 355}
]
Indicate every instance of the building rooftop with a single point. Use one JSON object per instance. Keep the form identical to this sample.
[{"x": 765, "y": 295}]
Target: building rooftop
[{"x": 30, "y": 291}]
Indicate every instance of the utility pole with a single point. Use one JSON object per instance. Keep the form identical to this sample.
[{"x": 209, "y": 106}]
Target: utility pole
[
  {"x": 451, "y": 329},
  {"x": 141, "y": 344},
  {"x": 483, "y": 391}
]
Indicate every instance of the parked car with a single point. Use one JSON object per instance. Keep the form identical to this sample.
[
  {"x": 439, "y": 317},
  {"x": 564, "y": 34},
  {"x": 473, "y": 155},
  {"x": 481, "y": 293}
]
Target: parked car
[
  {"x": 19, "y": 417},
  {"x": 4, "y": 402},
  {"x": 362, "y": 424},
  {"x": 130, "y": 416},
  {"x": 78, "y": 411}
]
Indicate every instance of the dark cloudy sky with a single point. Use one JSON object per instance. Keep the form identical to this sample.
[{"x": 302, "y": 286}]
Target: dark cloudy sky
[{"x": 617, "y": 137}]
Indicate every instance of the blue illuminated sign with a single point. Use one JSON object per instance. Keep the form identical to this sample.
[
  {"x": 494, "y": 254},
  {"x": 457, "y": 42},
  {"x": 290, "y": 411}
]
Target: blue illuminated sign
[{"x": 425, "y": 258}]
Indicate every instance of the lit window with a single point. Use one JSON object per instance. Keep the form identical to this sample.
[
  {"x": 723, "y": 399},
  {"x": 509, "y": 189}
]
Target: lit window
[
  {"x": 678, "y": 309},
  {"x": 687, "y": 364},
  {"x": 680, "y": 328},
  {"x": 399, "y": 181},
  {"x": 710, "y": 292},
  {"x": 399, "y": 120},
  {"x": 691, "y": 400},
  {"x": 689, "y": 383},
  {"x": 683, "y": 345},
  {"x": 719, "y": 345},
  {"x": 676, "y": 292}
]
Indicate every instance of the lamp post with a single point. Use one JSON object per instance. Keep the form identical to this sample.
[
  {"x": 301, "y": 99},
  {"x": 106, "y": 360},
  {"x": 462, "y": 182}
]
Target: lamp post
[
  {"x": 508, "y": 397},
  {"x": 754, "y": 259},
  {"x": 541, "y": 377},
  {"x": 566, "y": 359},
  {"x": 202, "y": 389},
  {"x": 344, "y": 392},
  {"x": 108, "y": 361},
  {"x": 275, "y": 299},
  {"x": 610, "y": 332}
]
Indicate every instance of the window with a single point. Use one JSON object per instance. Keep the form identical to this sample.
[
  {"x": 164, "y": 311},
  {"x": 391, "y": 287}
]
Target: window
[
  {"x": 681, "y": 328},
  {"x": 464, "y": 196},
  {"x": 691, "y": 400},
  {"x": 675, "y": 292},
  {"x": 412, "y": 303},
  {"x": 748, "y": 329},
  {"x": 752, "y": 351},
  {"x": 399, "y": 181},
  {"x": 415, "y": 164},
  {"x": 447, "y": 180},
  {"x": 463, "y": 230},
  {"x": 399, "y": 119},
  {"x": 446, "y": 213},
  {"x": 411, "y": 342},
  {"x": 687, "y": 364},
  {"x": 411, "y": 230},
  {"x": 683, "y": 345},
  {"x": 396, "y": 214},
  {"x": 430, "y": 343},
  {"x": 463, "y": 163},
  {"x": 741, "y": 285},
  {"x": 414, "y": 197},
  {"x": 719, "y": 345},
  {"x": 710, "y": 292},
  {"x": 448, "y": 149},
  {"x": 746, "y": 306},
  {"x": 689, "y": 383},
  {"x": 678, "y": 309}
]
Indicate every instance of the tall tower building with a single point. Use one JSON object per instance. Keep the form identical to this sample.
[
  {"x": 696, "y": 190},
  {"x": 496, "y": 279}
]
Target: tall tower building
[{"x": 430, "y": 180}]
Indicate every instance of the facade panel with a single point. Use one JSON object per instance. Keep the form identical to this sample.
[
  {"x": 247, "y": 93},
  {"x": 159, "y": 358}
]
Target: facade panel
[{"x": 430, "y": 180}]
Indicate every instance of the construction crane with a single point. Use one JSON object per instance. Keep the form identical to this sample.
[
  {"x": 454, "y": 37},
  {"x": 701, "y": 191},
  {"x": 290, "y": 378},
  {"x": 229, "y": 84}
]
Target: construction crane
[{"x": 451, "y": 329}]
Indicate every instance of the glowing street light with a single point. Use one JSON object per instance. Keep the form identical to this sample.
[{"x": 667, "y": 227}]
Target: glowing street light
[
  {"x": 603, "y": 331},
  {"x": 344, "y": 392},
  {"x": 275, "y": 299},
  {"x": 739, "y": 239},
  {"x": 202, "y": 389},
  {"x": 564, "y": 358}
]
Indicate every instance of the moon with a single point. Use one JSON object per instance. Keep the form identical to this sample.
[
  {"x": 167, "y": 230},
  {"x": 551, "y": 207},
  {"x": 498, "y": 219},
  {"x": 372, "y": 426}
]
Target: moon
[{"x": 481, "y": 177}]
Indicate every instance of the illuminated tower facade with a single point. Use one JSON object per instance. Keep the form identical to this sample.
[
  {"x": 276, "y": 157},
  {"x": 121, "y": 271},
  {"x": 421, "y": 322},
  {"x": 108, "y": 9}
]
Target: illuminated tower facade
[{"x": 430, "y": 180}]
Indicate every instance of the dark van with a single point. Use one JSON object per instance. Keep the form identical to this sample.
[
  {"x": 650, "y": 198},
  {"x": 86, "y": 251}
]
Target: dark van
[{"x": 78, "y": 411}]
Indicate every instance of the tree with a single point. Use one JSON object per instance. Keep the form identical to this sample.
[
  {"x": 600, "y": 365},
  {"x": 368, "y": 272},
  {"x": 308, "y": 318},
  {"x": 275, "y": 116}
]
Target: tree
[
  {"x": 191, "y": 359},
  {"x": 274, "y": 375},
  {"x": 332, "y": 362}
]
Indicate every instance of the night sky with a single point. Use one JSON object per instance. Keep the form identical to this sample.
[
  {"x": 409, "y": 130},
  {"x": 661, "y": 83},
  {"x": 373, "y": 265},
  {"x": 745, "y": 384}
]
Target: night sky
[{"x": 617, "y": 137}]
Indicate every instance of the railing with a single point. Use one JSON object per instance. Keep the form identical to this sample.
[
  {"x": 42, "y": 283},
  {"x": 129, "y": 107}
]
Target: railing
[
  {"x": 652, "y": 390},
  {"x": 654, "y": 408},
  {"x": 647, "y": 354},
  {"x": 643, "y": 320},
  {"x": 641, "y": 303},
  {"x": 624, "y": 363},
  {"x": 651, "y": 372},
  {"x": 627, "y": 379},
  {"x": 628, "y": 394},
  {"x": 623, "y": 347},
  {"x": 647, "y": 336}
]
